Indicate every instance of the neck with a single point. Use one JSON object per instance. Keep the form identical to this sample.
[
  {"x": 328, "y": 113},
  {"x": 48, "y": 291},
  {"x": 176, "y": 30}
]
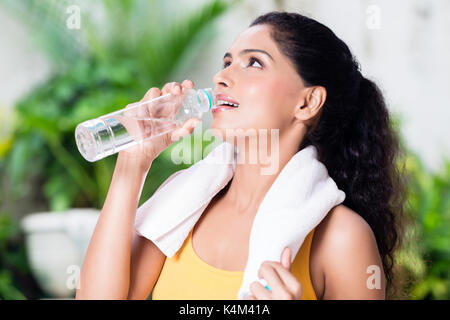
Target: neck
[{"x": 252, "y": 179}]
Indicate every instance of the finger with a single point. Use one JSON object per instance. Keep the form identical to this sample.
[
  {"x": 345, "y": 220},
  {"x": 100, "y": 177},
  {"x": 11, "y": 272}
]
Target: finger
[
  {"x": 152, "y": 93},
  {"x": 178, "y": 134},
  {"x": 175, "y": 89},
  {"x": 171, "y": 87},
  {"x": 130, "y": 111},
  {"x": 251, "y": 297},
  {"x": 285, "y": 275},
  {"x": 186, "y": 129},
  {"x": 190, "y": 124},
  {"x": 260, "y": 292},
  {"x": 138, "y": 110},
  {"x": 268, "y": 273},
  {"x": 286, "y": 258},
  {"x": 148, "y": 107},
  {"x": 289, "y": 280},
  {"x": 143, "y": 112},
  {"x": 187, "y": 84}
]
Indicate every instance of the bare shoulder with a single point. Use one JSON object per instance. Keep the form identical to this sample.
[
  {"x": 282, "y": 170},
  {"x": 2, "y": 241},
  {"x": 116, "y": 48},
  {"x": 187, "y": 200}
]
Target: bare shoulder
[
  {"x": 344, "y": 249},
  {"x": 342, "y": 226}
]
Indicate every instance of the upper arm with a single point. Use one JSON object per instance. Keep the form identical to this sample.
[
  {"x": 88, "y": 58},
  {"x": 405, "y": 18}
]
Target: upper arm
[
  {"x": 352, "y": 264},
  {"x": 146, "y": 264}
]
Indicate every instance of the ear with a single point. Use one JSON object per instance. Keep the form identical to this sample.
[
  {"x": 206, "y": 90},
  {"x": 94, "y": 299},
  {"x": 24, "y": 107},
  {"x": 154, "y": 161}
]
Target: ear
[{"x": 311, "y": 104}]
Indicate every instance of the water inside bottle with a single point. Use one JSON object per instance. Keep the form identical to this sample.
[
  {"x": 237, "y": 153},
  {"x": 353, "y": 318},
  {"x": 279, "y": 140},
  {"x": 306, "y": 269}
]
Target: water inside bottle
[{"x": 104, "y": 136}]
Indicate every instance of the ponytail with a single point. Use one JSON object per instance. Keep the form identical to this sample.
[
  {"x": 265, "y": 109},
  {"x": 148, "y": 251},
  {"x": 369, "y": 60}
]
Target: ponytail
[{"x": 361, "y": 158}]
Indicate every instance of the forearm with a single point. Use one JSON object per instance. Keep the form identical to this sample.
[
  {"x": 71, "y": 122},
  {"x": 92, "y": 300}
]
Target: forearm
[{"x": 106, "y": 268}]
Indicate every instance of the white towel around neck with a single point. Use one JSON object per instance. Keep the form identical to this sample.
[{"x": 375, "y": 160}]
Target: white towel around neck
[{"x": 300, "y": 197}]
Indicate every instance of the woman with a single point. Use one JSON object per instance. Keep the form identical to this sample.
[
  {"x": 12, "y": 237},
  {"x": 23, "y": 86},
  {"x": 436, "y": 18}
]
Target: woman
[{"x": 304, "y": 81}]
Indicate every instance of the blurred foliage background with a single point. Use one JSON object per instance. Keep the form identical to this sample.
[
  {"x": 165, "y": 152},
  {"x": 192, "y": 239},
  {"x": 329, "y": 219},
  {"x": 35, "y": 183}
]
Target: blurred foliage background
[{"x": 111, "y": 62}]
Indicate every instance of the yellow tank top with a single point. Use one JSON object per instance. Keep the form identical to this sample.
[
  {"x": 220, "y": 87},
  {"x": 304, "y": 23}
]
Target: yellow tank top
[{"x": 187, "y": 277}]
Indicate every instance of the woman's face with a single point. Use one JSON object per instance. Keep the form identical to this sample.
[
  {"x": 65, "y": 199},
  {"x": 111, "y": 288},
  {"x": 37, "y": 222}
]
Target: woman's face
[{"x": 266, "y": 86}]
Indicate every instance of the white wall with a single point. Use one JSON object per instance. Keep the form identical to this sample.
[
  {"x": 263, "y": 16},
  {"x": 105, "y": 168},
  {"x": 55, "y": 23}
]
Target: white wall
[
  {"x": 407, "y": 56},
  {"x": 21, "y": 65}
]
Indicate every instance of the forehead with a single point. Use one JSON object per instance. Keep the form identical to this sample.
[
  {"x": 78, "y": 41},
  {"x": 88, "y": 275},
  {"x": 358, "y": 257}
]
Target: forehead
[{"x": 256, "y": 37}]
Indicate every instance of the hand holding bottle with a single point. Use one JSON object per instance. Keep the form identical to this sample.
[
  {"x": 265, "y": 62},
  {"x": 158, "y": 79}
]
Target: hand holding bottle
[{"x": 145, "y": 152}]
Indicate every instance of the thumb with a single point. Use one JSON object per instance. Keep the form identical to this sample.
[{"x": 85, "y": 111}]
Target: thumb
[
  {"x": 192, "y": 123},
  {"x": 286, "y": 258},
  {"x": 186, "y": 129}
]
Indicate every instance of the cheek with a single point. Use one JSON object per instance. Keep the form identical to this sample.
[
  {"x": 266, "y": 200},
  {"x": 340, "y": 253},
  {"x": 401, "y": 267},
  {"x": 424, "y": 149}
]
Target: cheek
[{"x": 267, "y": 105}]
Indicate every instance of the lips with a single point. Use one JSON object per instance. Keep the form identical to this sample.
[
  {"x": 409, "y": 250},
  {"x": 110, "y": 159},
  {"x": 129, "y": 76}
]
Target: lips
[
  {"x": 223, "y": 108},
  {"x": 224, "y": 97}
]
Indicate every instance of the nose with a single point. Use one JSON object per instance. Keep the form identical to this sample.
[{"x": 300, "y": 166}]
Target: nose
[{"x": 222, "y": 79}]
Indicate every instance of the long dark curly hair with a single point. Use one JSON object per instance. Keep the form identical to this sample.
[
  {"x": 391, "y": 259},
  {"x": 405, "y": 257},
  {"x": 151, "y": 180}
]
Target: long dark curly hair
[{"x": 354, "y": 135}]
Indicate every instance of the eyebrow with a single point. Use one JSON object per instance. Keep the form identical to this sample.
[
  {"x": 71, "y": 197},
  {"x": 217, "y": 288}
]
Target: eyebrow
[{"x": 245, "y": 51}]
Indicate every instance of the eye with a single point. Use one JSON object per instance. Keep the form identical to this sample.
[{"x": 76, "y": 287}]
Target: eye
[{"x": 252, "y": 60}]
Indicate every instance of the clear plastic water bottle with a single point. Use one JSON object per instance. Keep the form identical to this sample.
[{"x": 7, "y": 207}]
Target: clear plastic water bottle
[{"x": 116, "y": 131}]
